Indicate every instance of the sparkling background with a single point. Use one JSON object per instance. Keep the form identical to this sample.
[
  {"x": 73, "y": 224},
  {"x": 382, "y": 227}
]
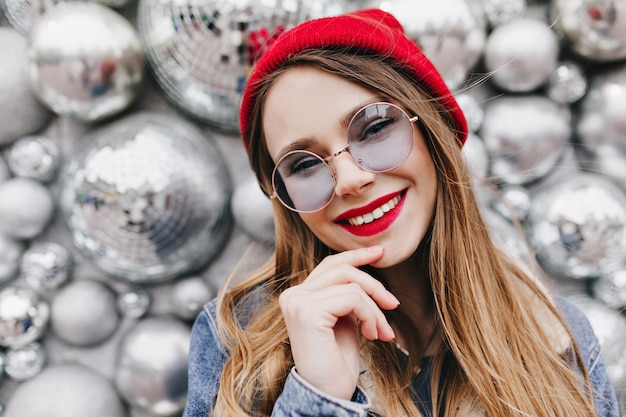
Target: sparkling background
[{"x": 523, "y": 122}]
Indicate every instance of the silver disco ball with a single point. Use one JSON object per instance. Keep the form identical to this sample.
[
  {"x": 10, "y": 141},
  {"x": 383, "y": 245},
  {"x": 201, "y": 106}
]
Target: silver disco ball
[
  {"x": 24, "y": 316},
  {"x": 520, "y": 55},
  {"x": 600, "y": 125},
  {"x": 85, "y": 61},
  {"x": 578, "y": 226},
  {"x": 451, "y": 33},
  {"x": 151, "y": 366},
  {"x": 65, "y": 390},
  {"x": 596, "y": 29},
  {"x": 525, "y": 136},
  {"x": 147, "y": 199},
  {"x": 201, "y": 51},
  {"x": 22, "y": 14}
]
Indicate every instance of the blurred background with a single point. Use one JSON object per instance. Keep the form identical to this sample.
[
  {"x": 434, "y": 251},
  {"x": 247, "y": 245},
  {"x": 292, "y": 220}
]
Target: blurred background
[{"x": 126, "y": 199}]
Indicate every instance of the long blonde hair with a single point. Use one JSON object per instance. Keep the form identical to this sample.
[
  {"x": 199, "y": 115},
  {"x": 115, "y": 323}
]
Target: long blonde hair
[{"x": 500, "y": 360}]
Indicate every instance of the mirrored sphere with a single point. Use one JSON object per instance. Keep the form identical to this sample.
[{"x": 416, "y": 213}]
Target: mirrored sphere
[
  {"x": 253, "y": 211},
  {"x": 507, "y": 237},
  {"x": 24, "y": 362},
  {"x": 514, "y": 203},
  {"x": 163, "y": 209},
  {"x": 34, "y": 157},
  {"x": 151, "y": 366},
  {"x": 188, "y": 296},
  {"x": 596, "y": 29},
  {"x": 568, "y": 83},
  {"x": 46, "y": 265},
  {"x": 133, "y": 303},
  {"x": 610, "y": 328},
  {"x": 601, "y": 126},
  {"x": 578, "y": 226},
  {"x": 22, "y": 113},
  {"x": 84, "y": 313},
  {"x": 24, "y": 316},
  {"x": 476, "y": 157},
  {"x": 11, "y": 252},
  {"x": 472, "y": 109},
  {"x": 65, "y": 390},
  {"x": 521, "y": 54},
  {"x": 86, "y": 77},
  {"x": 27, "y": 208},
  {"x": 450, "y": 32},
  {"x": 610, "y": 288},
  {"x": 22, "y": 14},
  {"x": 525, "y": 136},
  {"x": 503, "y": 11},
  {"x": 201, "y": 51}
]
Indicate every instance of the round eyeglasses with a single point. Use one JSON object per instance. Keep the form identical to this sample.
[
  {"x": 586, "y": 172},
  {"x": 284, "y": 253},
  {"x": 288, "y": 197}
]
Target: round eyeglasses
[{"x": 380, "y": 138}]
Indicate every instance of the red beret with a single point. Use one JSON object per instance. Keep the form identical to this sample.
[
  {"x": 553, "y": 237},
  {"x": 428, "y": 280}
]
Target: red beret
[{"x": 370, "y": 30}]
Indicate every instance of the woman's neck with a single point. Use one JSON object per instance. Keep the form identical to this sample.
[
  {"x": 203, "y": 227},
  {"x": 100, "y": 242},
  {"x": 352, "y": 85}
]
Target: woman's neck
[{"x": 409, "y": 282}]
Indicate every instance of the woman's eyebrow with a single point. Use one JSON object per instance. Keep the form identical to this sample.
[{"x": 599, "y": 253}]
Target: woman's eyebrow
[
  {"x": 297, "y": 145},
  {"x": 347, "y": 117}
]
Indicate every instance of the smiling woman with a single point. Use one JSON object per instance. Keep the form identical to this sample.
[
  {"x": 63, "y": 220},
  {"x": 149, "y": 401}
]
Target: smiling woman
[{"x": 385, "y": 295}]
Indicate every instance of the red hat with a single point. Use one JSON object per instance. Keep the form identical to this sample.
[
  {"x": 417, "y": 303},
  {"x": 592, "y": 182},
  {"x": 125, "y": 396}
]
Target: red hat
[{"x": 371, "y": 30}]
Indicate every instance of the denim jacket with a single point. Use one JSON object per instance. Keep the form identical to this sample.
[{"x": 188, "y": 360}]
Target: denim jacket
[{"x": 299, "y": 398}]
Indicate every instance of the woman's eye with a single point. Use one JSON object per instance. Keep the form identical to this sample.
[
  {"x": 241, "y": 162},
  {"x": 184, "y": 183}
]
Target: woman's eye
[
  {"x": 304, "y": 165},
  {"x": 377, "y": 129}
]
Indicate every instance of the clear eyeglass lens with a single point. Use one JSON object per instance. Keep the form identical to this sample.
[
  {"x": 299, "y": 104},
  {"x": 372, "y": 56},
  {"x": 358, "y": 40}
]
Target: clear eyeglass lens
[{"x": 380, "y": 137}]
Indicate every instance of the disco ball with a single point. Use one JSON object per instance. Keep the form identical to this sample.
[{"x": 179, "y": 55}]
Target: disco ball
[
  {"x": 24, "y": 316},
  {"x": 24, "y": 362},
  {"x": 520, "y": 55},
  {"x": 475, "y": 156},
  {"x": 567, "y": 83},
  {"x": 22, "y": 14},
  {"x": 451, "y": 33},
  {"x": 35, "y": 157},
  {"x": 46, "y": 265},
  {"x": 502, "y": 11},
  {"x": 22, "y": 113},
  {"x": 601, "y": 125},
  {"x": 151, "y": 366},
  {"x": 596, "y": 29},
  {"x": 525, "y": 136},
  {"x": 188, "y": 296},
  {"x": 84, "y": 313},
  {"x": 85, "y": 61},
  {"x": 11, "y": 252},
  {"x": 578, "y": 226},
  {"x": 253, "y": 211},
  {"x": 65, "y": 390},
  {"x": 610, "y": 288},
  {"x": 201, "y": 51},
  {"x": 27, "y": 208},
  {"x": 147, "y": 198}
]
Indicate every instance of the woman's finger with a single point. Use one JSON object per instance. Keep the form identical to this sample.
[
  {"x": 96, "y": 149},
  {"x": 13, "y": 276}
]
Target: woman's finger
[{"x": 343, "y": 268}]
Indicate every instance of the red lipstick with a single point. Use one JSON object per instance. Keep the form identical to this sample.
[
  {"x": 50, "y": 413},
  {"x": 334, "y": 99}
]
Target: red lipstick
[{"x": 378, "y": 225}]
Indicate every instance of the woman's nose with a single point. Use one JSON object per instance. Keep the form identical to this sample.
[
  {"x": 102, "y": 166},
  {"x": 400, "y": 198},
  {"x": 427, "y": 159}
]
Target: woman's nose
[{"x": 350, "y": 178}]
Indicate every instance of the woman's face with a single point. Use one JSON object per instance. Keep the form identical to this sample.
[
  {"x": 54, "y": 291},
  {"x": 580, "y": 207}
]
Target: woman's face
[{"x": 308, "y": 105}]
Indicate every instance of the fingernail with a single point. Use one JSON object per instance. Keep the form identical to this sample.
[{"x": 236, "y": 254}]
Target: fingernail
[{"x": 393, "y": 298}]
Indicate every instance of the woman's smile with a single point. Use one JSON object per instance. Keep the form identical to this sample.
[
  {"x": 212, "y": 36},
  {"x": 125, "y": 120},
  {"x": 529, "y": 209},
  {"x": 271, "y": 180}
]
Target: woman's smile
[{"x": 372, "y": 218}]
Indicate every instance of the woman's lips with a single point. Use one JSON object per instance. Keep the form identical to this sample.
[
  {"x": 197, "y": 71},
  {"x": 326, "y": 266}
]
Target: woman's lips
[{"x": 374, "y": 217}]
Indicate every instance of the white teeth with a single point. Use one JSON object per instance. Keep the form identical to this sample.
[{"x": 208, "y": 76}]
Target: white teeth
[{"x": 376, "y": 214}]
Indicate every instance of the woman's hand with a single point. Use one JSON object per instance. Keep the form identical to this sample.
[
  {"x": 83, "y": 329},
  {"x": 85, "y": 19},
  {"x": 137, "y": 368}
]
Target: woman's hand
[{"x": 322, "y": 316}]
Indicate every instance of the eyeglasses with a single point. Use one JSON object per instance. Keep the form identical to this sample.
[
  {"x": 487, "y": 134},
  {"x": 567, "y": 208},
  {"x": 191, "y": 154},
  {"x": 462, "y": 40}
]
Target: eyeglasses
[{"x": 380, "y": 138}]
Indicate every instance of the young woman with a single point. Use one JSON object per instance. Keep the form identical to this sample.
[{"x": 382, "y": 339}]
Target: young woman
[{"x": 385, "y": 295}]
